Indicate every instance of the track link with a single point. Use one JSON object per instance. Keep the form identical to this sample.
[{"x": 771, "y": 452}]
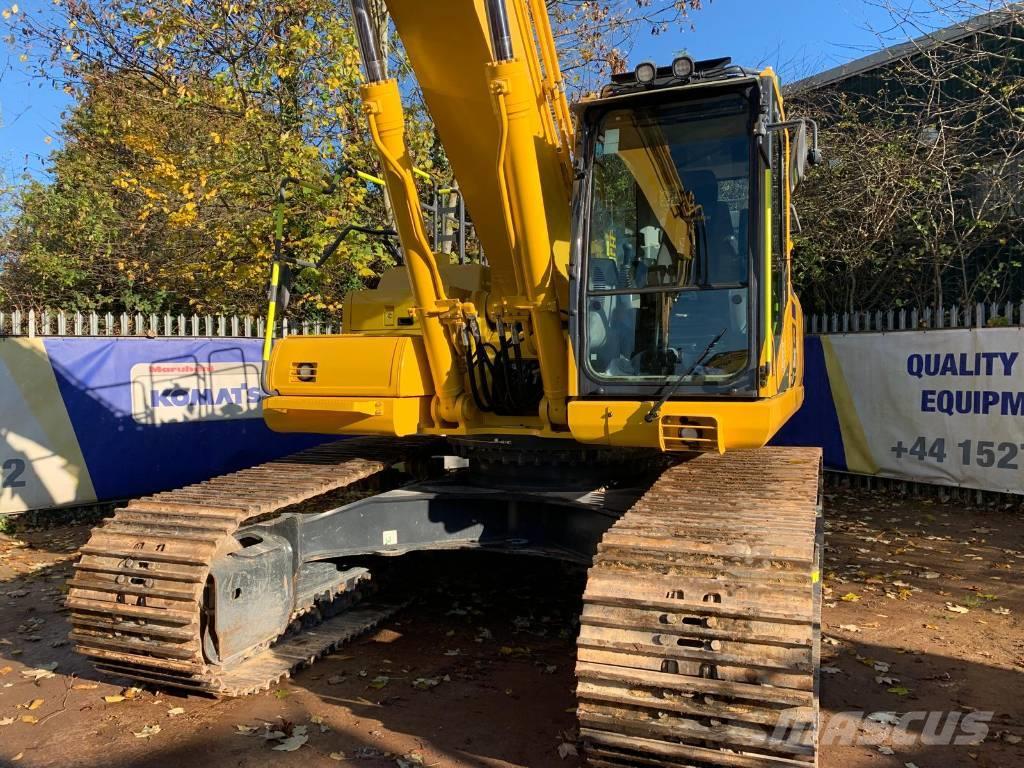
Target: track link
[
  {"x": 137, "y": 594},
  {"x": 700, "y": 635}
]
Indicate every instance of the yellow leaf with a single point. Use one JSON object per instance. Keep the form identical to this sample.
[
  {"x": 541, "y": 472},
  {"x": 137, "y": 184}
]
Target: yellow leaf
[
  {"x": 30, "y": 719},
  {"x": 36, "y": 703},
  {"x": 113, "y": 699},
  {"x": 850, "y": 597}
]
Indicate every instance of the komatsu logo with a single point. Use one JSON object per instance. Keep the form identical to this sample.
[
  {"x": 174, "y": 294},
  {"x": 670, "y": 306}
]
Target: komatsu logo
[
  {"x": 207, "y": 396},
  {"x": 169, "y": 392}
]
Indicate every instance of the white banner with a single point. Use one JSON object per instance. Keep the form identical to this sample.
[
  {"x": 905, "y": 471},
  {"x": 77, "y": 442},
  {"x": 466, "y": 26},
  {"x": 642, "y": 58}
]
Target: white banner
[
  {"x": 942, "y": 406},
  {"x": 41, "y": 464}
]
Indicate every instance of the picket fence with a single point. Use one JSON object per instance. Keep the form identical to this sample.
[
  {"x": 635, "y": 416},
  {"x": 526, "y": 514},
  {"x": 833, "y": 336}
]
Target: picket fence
[
  {"x": 48, "y": 322},
  {"x": 978, "y": 316}
]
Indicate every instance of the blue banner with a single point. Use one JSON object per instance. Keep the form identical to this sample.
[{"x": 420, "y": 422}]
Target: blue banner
[{"x": 87, "y": 419}]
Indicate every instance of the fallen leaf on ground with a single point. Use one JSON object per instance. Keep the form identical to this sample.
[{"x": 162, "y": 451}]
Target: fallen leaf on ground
[
  {"x": 565, "y": 749},
  {"x": 6, "y": 671},
  {"x": 831, "y": 670},
  {"x": 116, "y": 698},
  {"x": 379, "y": 682},
  {"x": 6, "y": 720},
  {"x": 850, "y": 597},
  {"x": 886, "y": 750},
  {"x": 337, "y": 755},
  {"x": 146, "y": 732},
  {"x": 899, "y": 690},
  {"x": 1001, "y": 611},
  {"x": 175, "y": 711},
  {"x": 292, "y": 743},
  {"x": 84, "y": 686},
  {"x": 954, "y": 608},
  {"x": 887, "y": 718},
  {"x": 30, "y": 719},
  {"x": 849, "y": 627},
  {"x": 35, "y": 704},
  {"x": 246, "y": 730},
  {"x": 38, "y": 674}
]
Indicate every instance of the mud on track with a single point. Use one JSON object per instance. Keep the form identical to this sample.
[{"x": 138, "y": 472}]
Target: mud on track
[{"x": 478, "y": 671}]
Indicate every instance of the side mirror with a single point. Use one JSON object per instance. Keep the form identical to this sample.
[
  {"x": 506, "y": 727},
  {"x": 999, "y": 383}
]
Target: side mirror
[{"x": 801, "y": 155}]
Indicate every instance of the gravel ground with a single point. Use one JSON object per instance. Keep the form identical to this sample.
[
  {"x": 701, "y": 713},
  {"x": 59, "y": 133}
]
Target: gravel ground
[{"x": 922, "y": 614}]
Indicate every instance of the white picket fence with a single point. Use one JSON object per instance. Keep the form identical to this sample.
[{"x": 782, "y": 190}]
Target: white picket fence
[
  {"x": 978, "y": 316},
  {"x": 49, "y": 322},
  {"x": 61, "y": 323}
]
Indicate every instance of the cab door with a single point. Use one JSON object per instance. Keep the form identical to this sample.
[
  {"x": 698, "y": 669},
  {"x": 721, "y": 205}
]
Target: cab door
[{"x": 780, "y": 354}]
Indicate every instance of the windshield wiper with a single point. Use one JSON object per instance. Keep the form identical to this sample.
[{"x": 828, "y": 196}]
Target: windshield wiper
[{"x": 656, "y": 409}]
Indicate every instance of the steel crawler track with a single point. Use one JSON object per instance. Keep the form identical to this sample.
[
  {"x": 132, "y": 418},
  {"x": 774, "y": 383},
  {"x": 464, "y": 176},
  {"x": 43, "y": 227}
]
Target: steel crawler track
[
  {"x": 699, "y": 638},
  {"x": 137, "y": 594},
  {"x": 700, "y": 634}
]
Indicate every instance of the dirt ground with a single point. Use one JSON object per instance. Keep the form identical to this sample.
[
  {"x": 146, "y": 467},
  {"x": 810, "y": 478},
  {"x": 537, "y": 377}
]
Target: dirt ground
[{"x": 923, "y": 612}]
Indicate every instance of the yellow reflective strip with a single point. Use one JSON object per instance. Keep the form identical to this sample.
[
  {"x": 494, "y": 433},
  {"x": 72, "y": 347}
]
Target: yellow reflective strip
[
  {"x": 268, "y": 337},
  {"x": 369, "y": 178},
  {"x": 815, "y": 576},
  {"x": 377, "y": 180}
]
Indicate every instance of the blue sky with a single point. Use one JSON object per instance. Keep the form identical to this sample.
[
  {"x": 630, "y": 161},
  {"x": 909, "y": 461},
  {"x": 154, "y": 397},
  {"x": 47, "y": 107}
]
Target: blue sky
[{"x": 798, "y": 37}]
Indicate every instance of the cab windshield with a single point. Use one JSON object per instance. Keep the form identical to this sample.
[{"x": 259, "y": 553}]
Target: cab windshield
[{"x": 668, "y": 290}]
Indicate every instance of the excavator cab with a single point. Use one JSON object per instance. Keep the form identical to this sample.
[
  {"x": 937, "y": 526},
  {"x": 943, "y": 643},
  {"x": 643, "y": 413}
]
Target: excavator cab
[{"x": 682, "y": 297}]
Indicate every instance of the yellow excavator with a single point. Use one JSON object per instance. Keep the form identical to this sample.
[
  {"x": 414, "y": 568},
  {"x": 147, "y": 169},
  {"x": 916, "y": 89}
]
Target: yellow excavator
[{"x": 599, "y": 387}]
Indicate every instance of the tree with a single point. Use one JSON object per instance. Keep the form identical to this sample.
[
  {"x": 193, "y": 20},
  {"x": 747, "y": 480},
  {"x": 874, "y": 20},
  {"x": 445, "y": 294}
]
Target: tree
[
  {"x": 920, "y": 201},
  {"x": 189, "y": 115},
  {"x": 595, "y": 39}
]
